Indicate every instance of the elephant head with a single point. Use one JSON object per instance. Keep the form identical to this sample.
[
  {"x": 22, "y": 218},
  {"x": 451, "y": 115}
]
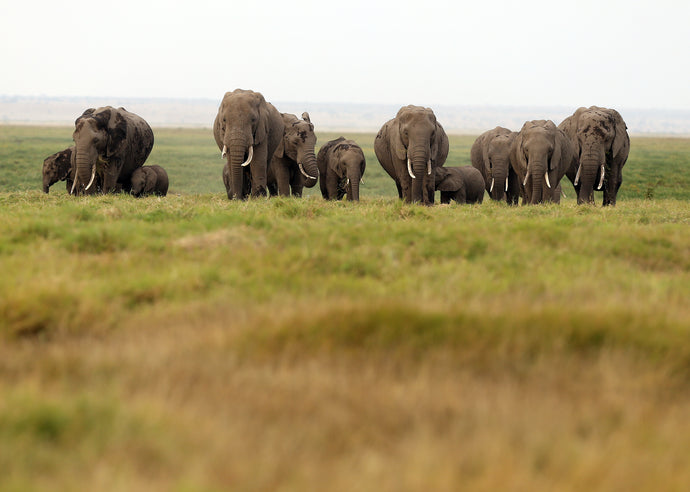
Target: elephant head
[
  {"x": 110, "y": 143},
  {"x": 341, "y": 166},
  {"x": 541, "y": 154},
  {"x": 247, "y": 130},
  {"x": 601, "y": 143},
  {"x": 298, "y": 144},
  {"x": 143, "y": 181},
  {"x": 409, "y": 147},
  {"x": 490, "y": 154},
  {"x": 56, "y": 168}
]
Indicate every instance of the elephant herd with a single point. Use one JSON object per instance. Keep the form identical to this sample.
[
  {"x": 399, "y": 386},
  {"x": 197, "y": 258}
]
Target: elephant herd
[{"x": 268, "y": 152}]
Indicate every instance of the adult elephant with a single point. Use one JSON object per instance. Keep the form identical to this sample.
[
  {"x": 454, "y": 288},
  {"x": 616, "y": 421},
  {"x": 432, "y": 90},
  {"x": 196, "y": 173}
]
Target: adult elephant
[
  {"x": 490, "y": 154},
  {"x": 293, "y": 165},
  {"x": 409, "y": 147},
  {"x": 109, "y": 143},
  {"x": 341, "y": 167},
  {"x": 540, "y": 156},
  {"x": 247, "y": 130},
  {"x": 601, "y": 142},
  {"x": 58, "y": 167}
]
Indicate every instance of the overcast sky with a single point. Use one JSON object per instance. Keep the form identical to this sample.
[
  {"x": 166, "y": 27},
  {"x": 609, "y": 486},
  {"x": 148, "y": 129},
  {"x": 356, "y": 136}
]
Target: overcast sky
[{"x": 622, "y": 54}]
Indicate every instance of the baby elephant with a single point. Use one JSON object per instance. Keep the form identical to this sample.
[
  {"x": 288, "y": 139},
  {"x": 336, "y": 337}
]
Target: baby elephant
[
  {"x": 56, "y": 168},
  {"x": 462, "y": 184},
  {"x": 341, "y": 167},
  {"x": 149, "y": 180}
]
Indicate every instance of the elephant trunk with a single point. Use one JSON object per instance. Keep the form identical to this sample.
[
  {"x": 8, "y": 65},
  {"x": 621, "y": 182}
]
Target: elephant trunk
[
  {"x": 354, "y": 176},
  {"x": 418, "y": 165},
  {"x": 308, "y": 168},
  {"x": 498, "y": 183},
  {"x": 238, "y": 154},
  {"x": 86, "y": 170},
  {"x": 537, "y": 170},
  {"x": 591, "y": 167}
]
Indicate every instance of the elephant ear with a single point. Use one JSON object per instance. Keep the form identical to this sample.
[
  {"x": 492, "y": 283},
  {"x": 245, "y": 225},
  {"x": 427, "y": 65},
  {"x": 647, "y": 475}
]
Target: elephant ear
[
  {"x": 280, "y": 151},
  {"x": 117, "y": 134},
  {"x": 517, "y": 155},
  {"x": 305, "y": 117},
  {"x": 569, "y": 127},
  {"x": 151, "y": 179},
  {"x": 440, "y": 146},
  {"x": 485, "y": 144},
  {"x": 621, "y": 142},
  {"x": 395, "y": 142}
]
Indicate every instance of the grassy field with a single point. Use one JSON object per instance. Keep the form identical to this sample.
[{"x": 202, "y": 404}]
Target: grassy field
[{"x": 192, "y": 343}]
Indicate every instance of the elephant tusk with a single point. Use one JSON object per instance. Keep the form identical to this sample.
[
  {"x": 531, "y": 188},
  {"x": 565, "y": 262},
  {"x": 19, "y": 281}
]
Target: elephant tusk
[
  {"x": 224, "y": 153},
  {"x": 492, "y": 186},
  {"x": 93, "y": 176},
  {"x": 301, "y": 168},
  {"x": 546, "y": 176},
  {"x": 348, "y": 182},
  {"x": 249, "y": 157},
  {"x": 506, "y": 185},
  {"x": 524, "y": 182},
  {"x": 74, "y": 186},
  {"x": 409, "y": 169},
  {"x": 577, "y": 176},
  {"x": 601, "y": 180},
  {"x": 428, "y": 167}
]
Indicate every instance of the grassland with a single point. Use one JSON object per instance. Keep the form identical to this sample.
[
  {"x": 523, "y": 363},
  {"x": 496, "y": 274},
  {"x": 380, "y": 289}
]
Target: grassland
[{"x": 193, "y": 343}]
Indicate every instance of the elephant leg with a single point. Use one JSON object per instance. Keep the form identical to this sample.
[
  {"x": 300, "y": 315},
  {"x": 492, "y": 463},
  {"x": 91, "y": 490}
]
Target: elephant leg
[
  {"x": 296, "y": 183},
  {"x": 282, "y": 178},
  {"x": 258, "y": 169},
  {"x": 109, "y": 180},
  {"x": 445, "y": 196}
]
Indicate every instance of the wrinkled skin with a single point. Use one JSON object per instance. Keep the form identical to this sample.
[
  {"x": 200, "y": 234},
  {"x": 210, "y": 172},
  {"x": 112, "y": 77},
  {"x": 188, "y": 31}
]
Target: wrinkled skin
[
  {"x": 294, "y": 162},
  {"x": 462, "y": 184},
  {"x": 413, "y": 134},
  {"x": 490, "y": 154},
  {"x": 341, "y": 168},
  {"x": 601, "y": 143},
  {"x": 541, "y": 149},
  {"x": 149, "y": 180},
  {"x": 247, "y": 126},
  {"x": 58, "y": 167},
  {"x": 112, "y": 143},
  {"x": 246, "y": 182}
]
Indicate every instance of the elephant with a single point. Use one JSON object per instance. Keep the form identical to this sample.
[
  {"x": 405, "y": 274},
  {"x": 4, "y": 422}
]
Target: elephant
[
  {"x": 463, "y": 184},
  {"x": 490, "y": 154},
  {"x": 58, "y": 167},
  {"x": 109, "y": 143},
  {"x": 409, "y": 147},
  {"x": 341, "y": 167},
  {"x": 540, "y": 156},
  {"x": 149, "y": 180},
  {"x": 600, "y": 139},
  {"x": 247, "y": 130},
  {"x": 293, "y": 165}
]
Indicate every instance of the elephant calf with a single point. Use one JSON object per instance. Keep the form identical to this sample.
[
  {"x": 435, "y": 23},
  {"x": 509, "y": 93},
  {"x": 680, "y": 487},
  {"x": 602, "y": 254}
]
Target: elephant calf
[
  {"x": 462, "y": 184},
  {"x": 341, "y": 167},
  {"x": 149, "y": 180},
  {"x": 57, "y": 167}
]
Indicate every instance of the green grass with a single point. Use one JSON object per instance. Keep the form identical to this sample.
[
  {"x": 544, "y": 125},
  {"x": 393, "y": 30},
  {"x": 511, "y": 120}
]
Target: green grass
[{"x": 196, "y": 343}]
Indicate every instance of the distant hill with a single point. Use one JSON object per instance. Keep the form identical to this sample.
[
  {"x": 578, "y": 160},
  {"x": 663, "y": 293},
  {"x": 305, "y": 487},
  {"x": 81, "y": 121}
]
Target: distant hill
[{"x": 326, "y": 116}]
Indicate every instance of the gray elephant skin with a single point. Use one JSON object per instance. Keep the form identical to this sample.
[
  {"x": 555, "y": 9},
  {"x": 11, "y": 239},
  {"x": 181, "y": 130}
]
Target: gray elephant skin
[
  {"x": 540, "y": 156},
  {"x": 490, "y": 154},
  {"x": 109, "y": 143},
  {"x": 409, "y": 147},
  {"x": 341, "y": 168},
  {"x": 247, "y": 130},
  {"x": 462, "y": 184},
  {"x": 601, "y": 143},
  {"x": 58, "y": 167},
  {"x": 149, "y": 180},
  {"x": 293, "y": 165}
]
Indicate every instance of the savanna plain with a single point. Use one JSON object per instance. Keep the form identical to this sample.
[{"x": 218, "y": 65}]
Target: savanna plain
[{"x": 191, "y": 343}]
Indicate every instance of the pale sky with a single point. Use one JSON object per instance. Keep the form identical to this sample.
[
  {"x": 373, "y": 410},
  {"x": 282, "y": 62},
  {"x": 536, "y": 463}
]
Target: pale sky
[{"x": 621, "y": 54}]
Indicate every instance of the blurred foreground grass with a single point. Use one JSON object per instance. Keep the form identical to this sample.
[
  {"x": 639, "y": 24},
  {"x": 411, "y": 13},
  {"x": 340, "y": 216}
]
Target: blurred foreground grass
[{"x": 193, "y": 343}]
